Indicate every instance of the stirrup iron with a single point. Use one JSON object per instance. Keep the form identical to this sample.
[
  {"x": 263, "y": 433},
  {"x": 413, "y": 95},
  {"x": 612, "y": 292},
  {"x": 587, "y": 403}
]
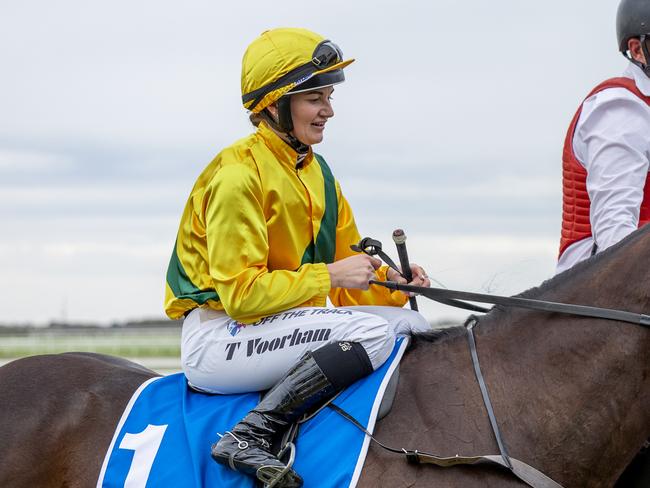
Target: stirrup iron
[{"x": 272, "y": 475}]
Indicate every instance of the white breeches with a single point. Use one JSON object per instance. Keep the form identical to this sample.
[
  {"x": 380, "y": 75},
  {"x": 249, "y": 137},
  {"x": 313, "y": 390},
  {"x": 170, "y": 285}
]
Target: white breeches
[{"x": 220, "y": 355}]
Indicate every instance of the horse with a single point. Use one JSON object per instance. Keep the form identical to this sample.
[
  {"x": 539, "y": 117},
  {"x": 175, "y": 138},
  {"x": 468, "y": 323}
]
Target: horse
[{"x": 571, "y": 394}]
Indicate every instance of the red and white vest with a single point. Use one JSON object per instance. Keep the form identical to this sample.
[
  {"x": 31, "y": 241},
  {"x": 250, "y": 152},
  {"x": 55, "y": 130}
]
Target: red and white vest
[{"x": 575, "y": 199}]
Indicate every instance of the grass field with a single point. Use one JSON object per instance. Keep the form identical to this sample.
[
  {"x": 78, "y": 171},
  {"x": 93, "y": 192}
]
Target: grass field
[{"x": 157, "y": 348}]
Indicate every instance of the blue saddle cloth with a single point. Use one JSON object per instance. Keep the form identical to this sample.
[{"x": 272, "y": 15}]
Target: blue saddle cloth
[{"x": 164, "y": 436}]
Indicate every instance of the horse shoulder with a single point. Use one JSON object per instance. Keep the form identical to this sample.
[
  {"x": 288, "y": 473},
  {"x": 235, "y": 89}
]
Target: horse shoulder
[{"x": 437, "y": 409}]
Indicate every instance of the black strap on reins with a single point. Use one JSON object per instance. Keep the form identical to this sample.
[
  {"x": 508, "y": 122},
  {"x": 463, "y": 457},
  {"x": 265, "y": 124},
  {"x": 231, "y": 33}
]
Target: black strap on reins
[
  {"x": 372, "y": 247},
  {"x": 440, "y": 294},
  {"x": 456, "y": 298}
]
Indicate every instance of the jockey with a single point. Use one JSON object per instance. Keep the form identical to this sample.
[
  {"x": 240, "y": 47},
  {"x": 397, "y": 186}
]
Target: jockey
[
  {"x": 263, "y": 241},
  {"x": 606, "y": 155}
]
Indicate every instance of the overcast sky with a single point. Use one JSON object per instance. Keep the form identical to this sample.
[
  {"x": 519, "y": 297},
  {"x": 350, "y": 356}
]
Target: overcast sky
[{"x": 450, "y": 125}]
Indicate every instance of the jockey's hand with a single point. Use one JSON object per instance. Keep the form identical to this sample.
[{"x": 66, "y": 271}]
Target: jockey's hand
[
  {"x": 353, "y": 272},
  {"x": 420, "y": 277}
]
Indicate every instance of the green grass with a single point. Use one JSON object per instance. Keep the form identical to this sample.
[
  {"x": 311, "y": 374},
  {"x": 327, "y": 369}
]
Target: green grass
[
  {"x": 124, "y": 351},
  {"x": 164, "y": 342}
]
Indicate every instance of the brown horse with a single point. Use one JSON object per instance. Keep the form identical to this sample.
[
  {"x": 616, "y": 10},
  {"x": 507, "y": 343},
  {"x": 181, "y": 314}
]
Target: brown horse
[
  {"x": 571, "y": 394},
  {"x": 58, "y": 414}
]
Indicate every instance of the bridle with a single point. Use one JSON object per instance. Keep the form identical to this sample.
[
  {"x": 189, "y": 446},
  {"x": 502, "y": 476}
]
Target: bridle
[{"x": 455, "y": 298}]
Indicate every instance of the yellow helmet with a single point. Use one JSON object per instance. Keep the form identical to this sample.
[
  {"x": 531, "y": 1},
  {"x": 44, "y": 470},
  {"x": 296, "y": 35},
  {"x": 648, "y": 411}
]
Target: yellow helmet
[{"x": 288, "y": 60}]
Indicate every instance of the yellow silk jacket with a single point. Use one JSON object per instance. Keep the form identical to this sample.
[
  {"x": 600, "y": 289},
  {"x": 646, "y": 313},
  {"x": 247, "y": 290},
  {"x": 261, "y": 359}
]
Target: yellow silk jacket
[{"x": 257, "y": 232}]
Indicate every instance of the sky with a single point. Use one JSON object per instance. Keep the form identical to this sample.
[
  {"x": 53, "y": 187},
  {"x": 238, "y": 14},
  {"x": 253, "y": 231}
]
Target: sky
[{"x": 450, "y": 125}]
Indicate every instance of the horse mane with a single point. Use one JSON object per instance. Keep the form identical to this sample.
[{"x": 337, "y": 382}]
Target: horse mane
[{"x": 440, "y": 334}]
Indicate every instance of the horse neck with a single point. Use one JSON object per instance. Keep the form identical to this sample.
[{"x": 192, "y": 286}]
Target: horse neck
[
  {"x": 570, "y": 393},
  {"x": 579, "y": 386}
]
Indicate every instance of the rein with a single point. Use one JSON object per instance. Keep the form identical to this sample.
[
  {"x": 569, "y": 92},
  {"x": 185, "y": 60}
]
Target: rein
[
  {"x": 443, "y": 295},
  {"x": 455, "y": 298}
]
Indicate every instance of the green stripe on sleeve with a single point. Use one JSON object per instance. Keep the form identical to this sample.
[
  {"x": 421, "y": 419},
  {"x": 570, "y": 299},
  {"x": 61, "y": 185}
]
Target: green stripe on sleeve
[
  {"x": 308, "y": 256},
  {"x": 181, "y": 284}
]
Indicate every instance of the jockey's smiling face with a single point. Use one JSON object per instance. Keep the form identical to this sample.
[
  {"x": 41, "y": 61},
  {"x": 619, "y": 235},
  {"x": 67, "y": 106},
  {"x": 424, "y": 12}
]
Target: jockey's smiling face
[{"x": 310, "y": 111}]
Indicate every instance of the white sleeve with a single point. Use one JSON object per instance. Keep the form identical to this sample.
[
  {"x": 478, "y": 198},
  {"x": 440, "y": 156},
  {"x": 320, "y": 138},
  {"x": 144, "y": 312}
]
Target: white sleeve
[{"x": 612, "y": 141}]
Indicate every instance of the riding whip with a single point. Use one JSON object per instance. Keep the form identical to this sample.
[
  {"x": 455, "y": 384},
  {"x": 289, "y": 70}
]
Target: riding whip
[{"x": 399, "y": 238}]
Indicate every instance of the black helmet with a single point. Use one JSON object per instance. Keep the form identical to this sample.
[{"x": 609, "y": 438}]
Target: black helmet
[{"x": 632, "y": 20}]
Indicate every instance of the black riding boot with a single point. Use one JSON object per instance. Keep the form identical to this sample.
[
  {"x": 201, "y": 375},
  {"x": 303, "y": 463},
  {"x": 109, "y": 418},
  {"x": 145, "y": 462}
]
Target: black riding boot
[{"x": 313, "y": 380}]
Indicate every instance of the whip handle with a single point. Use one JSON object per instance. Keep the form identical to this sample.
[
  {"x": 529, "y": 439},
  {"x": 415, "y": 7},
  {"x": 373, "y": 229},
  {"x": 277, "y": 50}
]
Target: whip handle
[{"x": 399, "y": 238}]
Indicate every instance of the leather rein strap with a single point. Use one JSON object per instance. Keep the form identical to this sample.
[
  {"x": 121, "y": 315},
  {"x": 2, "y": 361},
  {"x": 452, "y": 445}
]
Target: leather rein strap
[
  {"x": 372, "y": 247},
  {"x": 445, "y": 296},
  {"x": 455, "y": 298}
]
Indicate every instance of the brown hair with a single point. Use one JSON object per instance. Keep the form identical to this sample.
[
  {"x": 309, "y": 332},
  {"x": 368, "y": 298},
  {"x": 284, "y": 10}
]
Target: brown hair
[{"x": 256, "y": 118}]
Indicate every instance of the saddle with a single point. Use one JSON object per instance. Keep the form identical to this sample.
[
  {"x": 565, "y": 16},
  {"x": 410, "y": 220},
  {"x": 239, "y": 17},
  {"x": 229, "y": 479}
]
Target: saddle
[{"x": 165, "y": 433}]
